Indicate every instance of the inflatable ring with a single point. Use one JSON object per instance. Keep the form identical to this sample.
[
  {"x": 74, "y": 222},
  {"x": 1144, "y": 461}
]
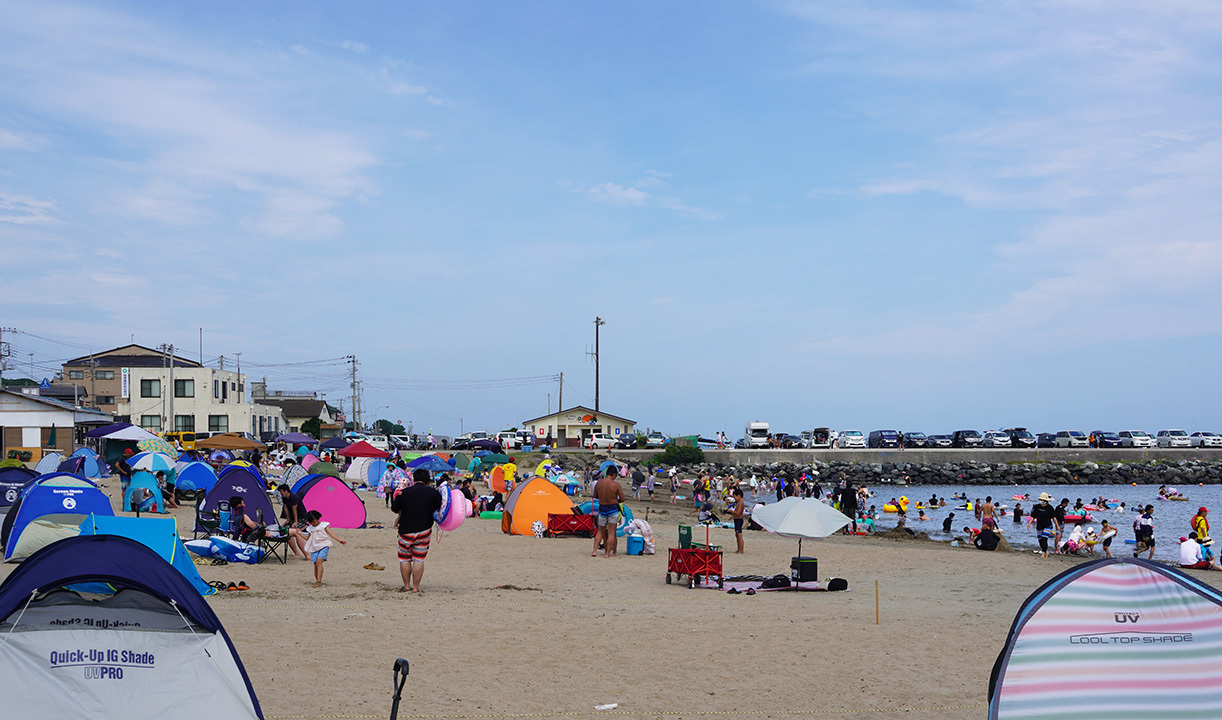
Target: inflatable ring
[
  {"x": 589, "y": 508},
  {"x": 443, "y": 512}
]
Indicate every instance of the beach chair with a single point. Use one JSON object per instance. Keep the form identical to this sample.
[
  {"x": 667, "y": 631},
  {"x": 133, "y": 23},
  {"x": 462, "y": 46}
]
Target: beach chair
[
  {"x": 686, "y": 542},
  {"x": 277, "y": 545},
  {"x": 206, "y": 523}
]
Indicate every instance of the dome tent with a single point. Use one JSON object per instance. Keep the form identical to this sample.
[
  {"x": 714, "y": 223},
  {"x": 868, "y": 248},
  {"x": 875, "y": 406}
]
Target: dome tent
[
  {"x": 240, "y": 482},
  {"x": 532, "y": 500},
  {"x": 50, "y": 509},
  {"x": 1118, "y": 637},
  {"x": 175, "y": 659},
  {"x": 338, "y": 504}
]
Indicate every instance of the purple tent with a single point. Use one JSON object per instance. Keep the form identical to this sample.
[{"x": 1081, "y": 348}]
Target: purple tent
[{"x": 239, "y": 481}]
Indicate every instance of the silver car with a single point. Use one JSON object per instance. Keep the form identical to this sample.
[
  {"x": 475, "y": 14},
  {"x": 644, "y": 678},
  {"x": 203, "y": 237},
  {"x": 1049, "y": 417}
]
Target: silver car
[
  {"x": 998, "y": 439},
  {"x": 1205, "y": 439},
  {"x": 1172, "y": 439},
  {"x": 1135, "y": 438}
]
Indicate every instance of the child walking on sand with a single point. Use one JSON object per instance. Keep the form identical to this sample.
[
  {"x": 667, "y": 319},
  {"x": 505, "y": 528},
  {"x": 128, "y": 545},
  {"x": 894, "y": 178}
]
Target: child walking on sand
[{"x": 318, "y": 542}]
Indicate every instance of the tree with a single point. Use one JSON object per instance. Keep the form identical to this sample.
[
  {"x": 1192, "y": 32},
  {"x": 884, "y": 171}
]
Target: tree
[
  {"x": 386, "y": 427},
  {"x": 313, "y": 426}
]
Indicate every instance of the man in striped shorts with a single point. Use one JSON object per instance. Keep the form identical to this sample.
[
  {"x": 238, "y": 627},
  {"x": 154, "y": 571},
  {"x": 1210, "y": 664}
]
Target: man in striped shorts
[{"x": 415, "y": 506}]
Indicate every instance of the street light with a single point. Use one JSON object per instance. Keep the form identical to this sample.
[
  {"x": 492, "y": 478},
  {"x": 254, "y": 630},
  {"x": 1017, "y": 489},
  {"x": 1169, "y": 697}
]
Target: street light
[{"x": 375, "y": 415}]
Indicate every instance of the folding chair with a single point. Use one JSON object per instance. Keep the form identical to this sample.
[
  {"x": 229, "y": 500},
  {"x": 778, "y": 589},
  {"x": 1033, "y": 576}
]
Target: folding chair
[
  {"x": 271, "y": 543},
  {"x": 207, "y": 523}
]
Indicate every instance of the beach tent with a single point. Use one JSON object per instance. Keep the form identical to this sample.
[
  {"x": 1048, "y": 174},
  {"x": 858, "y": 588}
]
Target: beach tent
[
  {"x": 93, "y": 466},
  {"x": 308, "y": 460},
  {"x": 142, "y": 645},
  {"x": 230, "y": 441},
  {"x": 120, "y": 431},
  {"x": 531, "y": 501},
  {"x": 496, "y": 479},
  {"x": 297, "y": 438},
  {"x": 12, "y": 480},
  {"x": 74, "y": 465},
  {"x": 542, "y": 468},
  {"x": 303, "y": 450},
  {"x": 334, "y": 499},
  {"x": 242, "y": 465},
  {"x": 374, "y": 471},
  {"x": 143, "y": 480},
  {"x": 49, "y": 463},
  {"x": 335, "y": 443},
  {"x": 460, "y": 461},
  {"x": 50, "y": 509},
  {"x": 362, "y": 449},
  {"x": 159, "y": 535},
  {"x": 356, "y": 471},
  {"x": 195, "y": 476},
  {"x": 1117, "y": 637},
  {"x": 292, "y": 474},
  {"x": 240, "y": 482},
  {"x": 322, "y": 468},
  {"x": 220, "y": 456},
  {"x": 430, "y": 463}
]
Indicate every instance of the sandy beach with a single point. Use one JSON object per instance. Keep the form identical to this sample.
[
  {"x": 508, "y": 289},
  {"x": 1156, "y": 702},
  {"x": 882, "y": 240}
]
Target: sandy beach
[{"x": 520, "y": 626}]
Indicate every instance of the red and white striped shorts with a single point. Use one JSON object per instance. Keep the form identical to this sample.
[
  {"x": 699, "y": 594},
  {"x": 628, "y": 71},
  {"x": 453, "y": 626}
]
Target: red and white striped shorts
[{"x": 414, "y": 546}]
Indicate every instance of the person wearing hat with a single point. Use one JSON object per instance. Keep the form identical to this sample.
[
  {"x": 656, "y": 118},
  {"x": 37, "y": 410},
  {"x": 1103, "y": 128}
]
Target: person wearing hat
[
  {"x": 1200, "y": 525},
  {"x": 1044, "y": 517},
  {"x": 1192, "y": 555}
]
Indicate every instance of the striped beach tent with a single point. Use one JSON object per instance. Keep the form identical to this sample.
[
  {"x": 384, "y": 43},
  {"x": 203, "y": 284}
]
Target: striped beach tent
[{"x": 1118, "y": 638}]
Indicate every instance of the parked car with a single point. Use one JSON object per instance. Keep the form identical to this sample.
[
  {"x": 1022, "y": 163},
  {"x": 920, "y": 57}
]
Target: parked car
[
  {"x": 1046, "y": 440},
  {"x": 1020, "y": 438},
  {"x": 1135, "y": 438},
  {"x": 966, "y": 439},
  {"x": 1172, "y": 438},
  {"x": 600, "y": 441},
  {"x": 1205, "y": 439},
  {"x": 883, "y": 439},
  {"x": 510, "y": 440},
  {"x": 997, "y": 439},
  {"x": 851, "y": 439},
  {"x": 1071, "y": 438},
  {"x": 740, "y": 444},
  {"x": 1104, "y": 439},
  {"x": 938, "y": 441},
  {"x": 820, "y": 437},
  {"x": 655, "y": 440},
  {"x": 915, "y": 440},
  {"x": 627, "y": 441},
  {"x": 788, "y": 441}
]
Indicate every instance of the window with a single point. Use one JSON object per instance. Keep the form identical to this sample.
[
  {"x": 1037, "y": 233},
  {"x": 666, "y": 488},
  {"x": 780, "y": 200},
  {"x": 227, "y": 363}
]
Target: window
[
  {"x": 233, "y": 386},
  {"x": 241, "y": 387},
  {"x": 216, "y": 388},
  {"x": 218, "y": 423},
  {"x": 76, "y": 374},
  {"x": 106, "y": 399},
  {"x": 277, "y": 424},
  {"x": 152, "y": 423},
  {"x": 104, "y": 374},
  {"x": 184, "y": 423},
  {"x": 150, "y": 388},
  {"x": 184, "y": 388}
]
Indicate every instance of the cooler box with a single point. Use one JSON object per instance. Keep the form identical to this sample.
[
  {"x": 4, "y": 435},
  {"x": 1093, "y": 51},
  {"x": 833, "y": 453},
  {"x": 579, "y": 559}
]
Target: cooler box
[
  {"x": 636, "y": 544},
  {"x": 804, "y": 569}
]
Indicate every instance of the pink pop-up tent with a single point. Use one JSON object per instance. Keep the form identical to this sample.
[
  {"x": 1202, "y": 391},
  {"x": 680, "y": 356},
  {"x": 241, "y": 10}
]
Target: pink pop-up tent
[{"x": 335, "y": 500}]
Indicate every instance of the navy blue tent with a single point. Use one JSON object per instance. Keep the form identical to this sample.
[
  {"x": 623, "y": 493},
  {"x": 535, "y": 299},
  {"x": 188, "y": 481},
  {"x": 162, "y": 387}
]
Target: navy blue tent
[
  {"x": 238, "y": 481},
  {"x": 12, "y": 480},
  {"x": 136, "y": 640}
]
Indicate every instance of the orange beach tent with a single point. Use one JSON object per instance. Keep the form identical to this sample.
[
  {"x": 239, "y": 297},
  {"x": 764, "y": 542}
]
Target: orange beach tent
[{"x": 530, "y": 501}]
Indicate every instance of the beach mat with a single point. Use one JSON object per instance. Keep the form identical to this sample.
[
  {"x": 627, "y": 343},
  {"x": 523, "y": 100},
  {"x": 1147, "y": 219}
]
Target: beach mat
[{"x": 758, "y": 586}]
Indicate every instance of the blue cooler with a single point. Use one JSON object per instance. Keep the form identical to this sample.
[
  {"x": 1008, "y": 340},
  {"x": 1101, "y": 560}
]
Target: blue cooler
[{"x": 636, "y": 544}]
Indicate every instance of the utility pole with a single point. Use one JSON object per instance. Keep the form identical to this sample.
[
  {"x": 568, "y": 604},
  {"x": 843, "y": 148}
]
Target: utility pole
[
  {"x": 171, "y": 388},
  {"x": 598, "y": 322},
  {"x": 560, "y": 402},
  {"x": 242, "y": 384},
  {"x": 352, "y": 359},
  {"x": 93, "y": 376},
  {"x": 5, "y": 351}
]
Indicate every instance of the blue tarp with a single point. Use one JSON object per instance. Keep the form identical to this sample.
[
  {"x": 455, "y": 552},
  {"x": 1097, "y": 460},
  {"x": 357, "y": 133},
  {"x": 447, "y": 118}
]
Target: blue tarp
[{"x": 157, "y": 534}]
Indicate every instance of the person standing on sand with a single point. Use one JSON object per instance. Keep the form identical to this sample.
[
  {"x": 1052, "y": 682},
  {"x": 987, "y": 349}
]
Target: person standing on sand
[
  {"x": 651, "y": 482},
  {"x": 415, "y": 506},
  {"x": 609, "y": 495},
  {"x": 848, "y": 505},
  {"x": 318, "y": 542},
  {"x": 736, "y": 512}
]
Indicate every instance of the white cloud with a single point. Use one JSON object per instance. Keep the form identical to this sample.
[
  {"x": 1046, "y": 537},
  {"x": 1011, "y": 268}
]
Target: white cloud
[
  {"x": 356, "y": 47},
  {"x": 616, "y": 194},
  {"x": 13, "y": 140},
  {"x": 25, "y": 210}
]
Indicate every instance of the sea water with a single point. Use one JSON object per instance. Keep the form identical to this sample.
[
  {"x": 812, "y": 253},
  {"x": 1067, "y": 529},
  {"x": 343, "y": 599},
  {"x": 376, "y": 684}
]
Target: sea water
[{"x": 1171, "y": 519}]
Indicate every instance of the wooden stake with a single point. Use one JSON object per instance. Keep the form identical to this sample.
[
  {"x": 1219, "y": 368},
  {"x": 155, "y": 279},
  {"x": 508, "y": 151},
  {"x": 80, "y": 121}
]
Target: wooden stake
[{"x": 875, "y": 602}]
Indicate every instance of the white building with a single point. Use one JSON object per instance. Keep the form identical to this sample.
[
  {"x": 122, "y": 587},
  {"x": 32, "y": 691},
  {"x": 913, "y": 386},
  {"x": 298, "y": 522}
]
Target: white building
[
  {"x": 161, "y": 393},
  {"x": 571, "y": 427}
]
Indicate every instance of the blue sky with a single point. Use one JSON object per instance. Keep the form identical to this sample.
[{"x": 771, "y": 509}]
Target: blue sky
[{"x": 914, "y": 215}]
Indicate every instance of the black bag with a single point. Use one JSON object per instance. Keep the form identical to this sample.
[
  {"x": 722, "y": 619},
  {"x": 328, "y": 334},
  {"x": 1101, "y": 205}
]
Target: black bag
[
  {"x": 776, "y": 581},
  {"x": 837, "y": 584}
]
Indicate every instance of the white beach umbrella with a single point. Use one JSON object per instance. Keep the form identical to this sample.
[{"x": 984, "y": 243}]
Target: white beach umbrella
[{"x": 802, "y": 518}]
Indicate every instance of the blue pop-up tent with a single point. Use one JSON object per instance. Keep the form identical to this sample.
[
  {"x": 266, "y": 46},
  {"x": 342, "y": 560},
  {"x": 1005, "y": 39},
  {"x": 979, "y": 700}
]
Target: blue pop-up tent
[
  {"x": 195, "y": 476},
  {"x": 152, "y": 501},
  {"x": 93, "y": 466},
  {"x": 12, "y": 481},
  {"x": 51, "y": 508},
  {"x": 158, "y": 534},
  {"x": 174, "y": 659}
]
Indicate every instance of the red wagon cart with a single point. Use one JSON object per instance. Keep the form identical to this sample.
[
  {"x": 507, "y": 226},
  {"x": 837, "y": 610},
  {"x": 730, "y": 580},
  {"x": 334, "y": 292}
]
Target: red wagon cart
[
  {"x": 566, "y": 524},
  {"x": 695, "y": 563}
]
